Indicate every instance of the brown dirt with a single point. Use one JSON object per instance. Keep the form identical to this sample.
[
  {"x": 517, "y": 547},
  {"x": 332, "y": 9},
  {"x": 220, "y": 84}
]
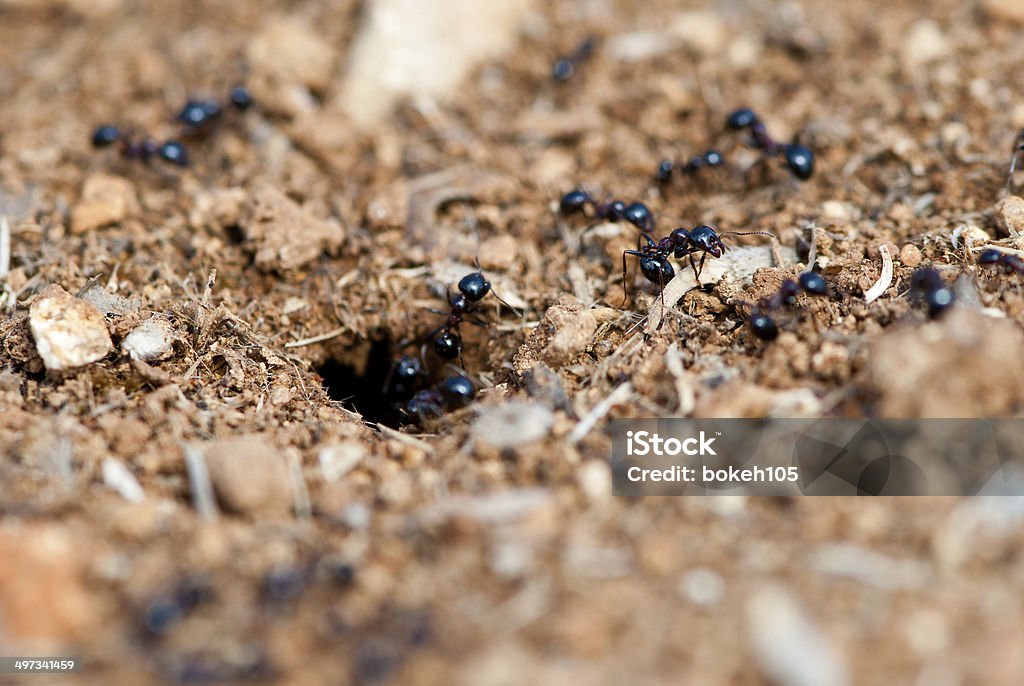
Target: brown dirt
[{"x": 474, "y": 563}]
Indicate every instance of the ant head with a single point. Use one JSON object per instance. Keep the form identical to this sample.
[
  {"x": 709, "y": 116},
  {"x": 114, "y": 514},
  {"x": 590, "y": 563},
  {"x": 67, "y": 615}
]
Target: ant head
[
  {"x": 813, "y": 283},
  {"x": 574, "y": 201},
  {"x": 990, "y": 256},
  {"x": 639, "y": 215},
  {"x": 240, "y": 98},
  {"x": 656, "y": 269},
  {"x": 105, "y": 135},
  {"x": 741, "y": 119},
  {"x": 458, "y": 391},
  {"x": 764, "y": 327},
  {"x": 474, "y": 286},
  {"x": 448, "y": 345},
  {"x": 408, "y": 368},
  {"x": 706, "y": 239},
  {"x": 800, "y": 161}
]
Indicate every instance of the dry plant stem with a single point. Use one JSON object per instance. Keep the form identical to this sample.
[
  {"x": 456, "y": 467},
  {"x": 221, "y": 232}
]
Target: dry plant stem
[
  {"x": 884, "y": 279},
  {"x": 5, "y": 247},
  {"x": 316, "y": 339},
  {"x": 619, "y": 395},
  {"x": 684, "y": 389},
  {"x": 199, "y": 482}
]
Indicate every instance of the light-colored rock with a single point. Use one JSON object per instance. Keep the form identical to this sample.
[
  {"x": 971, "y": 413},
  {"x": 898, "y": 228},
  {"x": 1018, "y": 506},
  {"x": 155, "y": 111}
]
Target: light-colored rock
[
  {"x": 249, "y": 476},
  {"x": 106, "y": 199},
  {"x": 119, "y": 478},
  {"x": 513, "y": 424},
  {"x": 423, "y": 50},
  {"x": 910, "y": 255},
  {"x": 150, "y": 340},
  {"x": 1010, "y": 214},
  {"x": 68, "y": 332},
  {"x": 701, "y": 31},
  {"x": 924, "y": 43},
  {"x": 283, "y": 234},
  {"x": 1004, "y": 10}
]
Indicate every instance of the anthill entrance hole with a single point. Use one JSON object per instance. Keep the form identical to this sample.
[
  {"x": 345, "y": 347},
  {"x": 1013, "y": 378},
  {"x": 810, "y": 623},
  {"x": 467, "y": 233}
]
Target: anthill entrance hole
[{"x": 363, "y": 392}]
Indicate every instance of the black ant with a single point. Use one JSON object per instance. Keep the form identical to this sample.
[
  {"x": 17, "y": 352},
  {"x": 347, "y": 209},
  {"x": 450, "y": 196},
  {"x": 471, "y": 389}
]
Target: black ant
[
  {"x": 799, "y": 158},
  {"x": 405, "y": 377},
  {"x": 566, "y": 66},
  {"x": 763, "y": 324},
  {"x": 926, "y": 284},
  {"x": 198, "y": 116},
  {"x": 170, "y": 151},
  {"x": 1018, "y": 149},
  {"x": 1009, "y": 263},
  {"x": 446, "y": 338},
  {"x": 452, "y": 393},
  {"x": 654, "y": 264},
  {"x": 637, "y": 213},
  {"x": 711, "y": 158}
]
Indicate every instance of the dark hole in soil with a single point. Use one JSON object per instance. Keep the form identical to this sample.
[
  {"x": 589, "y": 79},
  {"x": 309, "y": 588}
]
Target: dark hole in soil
[{"x": 364, "y": 392}]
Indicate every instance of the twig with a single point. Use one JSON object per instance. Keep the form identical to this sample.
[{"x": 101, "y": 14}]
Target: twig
[
  {"x": 317, "y": 339},
  {"x": 407, "y": 439},
  {"x": 5, "y": 247},
  {"x": 884, "y": 280},
  {"x": 619, "y": 395},
  {"x": 199, "y": 482}
]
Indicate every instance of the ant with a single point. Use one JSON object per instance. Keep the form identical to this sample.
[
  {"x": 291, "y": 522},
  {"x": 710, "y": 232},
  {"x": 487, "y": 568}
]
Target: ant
[
  {"x": 654, "y": 264},
  {"x": 799, "y": 158},
  {"x": 1009, "y": 263},
  {"x": 452, "y": 393},
  {"x": 447, "y": 340},
  {"x": 1018, "y": 148},
  {"x": 637, "y": 213},
  {"x": 566, "y": 66},
  {"x": 198, "y": 116},
  {"x": 405, "y": 378},
  {"x": 711, "y": 158},
  {"x": 170, "y": 151},
  {"x": 763, "y": 324},
  {"x": 926, "y": 284}
]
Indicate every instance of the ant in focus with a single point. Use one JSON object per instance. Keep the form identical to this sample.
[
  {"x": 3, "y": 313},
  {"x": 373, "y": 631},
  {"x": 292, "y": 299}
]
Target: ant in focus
[
  {"x": 926, "y": 284},
  {"x": 711, "y": 158},
  {"x": 799, "y": 158},
  {"x": 447, "y": 340},
  {"x": 654, "y": 264},
  {"x": 637, "y": 213},
  {"x": 763, "y": 324}
]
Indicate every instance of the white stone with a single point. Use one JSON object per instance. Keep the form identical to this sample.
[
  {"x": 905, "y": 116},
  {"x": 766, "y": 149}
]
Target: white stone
[
  {"x": 150, "y": 340},
  {"x": 68, "y": 332}
]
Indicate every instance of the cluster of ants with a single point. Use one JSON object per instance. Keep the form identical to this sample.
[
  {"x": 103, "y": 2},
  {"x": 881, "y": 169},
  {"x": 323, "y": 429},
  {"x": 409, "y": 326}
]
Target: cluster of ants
[
  {"x": 197, "y": 119},
  {"x": 703, "y": 241},
  {"x": 407, "y": 386}
]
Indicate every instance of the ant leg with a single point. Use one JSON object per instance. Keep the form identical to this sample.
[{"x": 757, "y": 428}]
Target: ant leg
[
  {"x": 698, "y": 269},
  {"x": 625, "y": 289}
]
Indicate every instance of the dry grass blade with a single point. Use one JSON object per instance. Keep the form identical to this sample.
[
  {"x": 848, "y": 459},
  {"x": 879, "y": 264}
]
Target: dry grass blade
[{"x": 884, "y": 280}]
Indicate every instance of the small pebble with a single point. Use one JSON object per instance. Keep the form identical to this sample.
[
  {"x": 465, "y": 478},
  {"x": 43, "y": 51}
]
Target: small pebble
[
  {"x": 68, "y": 331},
  {"x": 249, "y": 476},
  {"x": 910, "y": 255},
  {"x": 151, "y": 340},
  {"x": 1010, "y": 214}
]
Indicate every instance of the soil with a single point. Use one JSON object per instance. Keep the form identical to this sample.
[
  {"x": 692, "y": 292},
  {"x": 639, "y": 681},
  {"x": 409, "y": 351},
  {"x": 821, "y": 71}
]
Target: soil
[{"x": 301, "y": 254}]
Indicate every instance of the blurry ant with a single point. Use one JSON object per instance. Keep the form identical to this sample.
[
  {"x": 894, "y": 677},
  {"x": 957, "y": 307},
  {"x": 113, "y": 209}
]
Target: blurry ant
[
  {"x": 762, "y": 324},
  {"x": 799, "y": 158},
  {"x": 654, "y": 264},
  {"x": 711, "y": 158},
  {"x": 451, "y": 394},
  {"x": 637, "y": 213},
  {"x": 198, "y": 116},
  {"x": 446, "y": 338},
  {"x": 404, "y": 378},
  {"x": 1009, "y": 263},
  {"x": 143, "y": 149},
  {"x": 1018, "y": 149},
  {"x": 926, "y": 284},
  {"x": 565, "y": 67}
]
